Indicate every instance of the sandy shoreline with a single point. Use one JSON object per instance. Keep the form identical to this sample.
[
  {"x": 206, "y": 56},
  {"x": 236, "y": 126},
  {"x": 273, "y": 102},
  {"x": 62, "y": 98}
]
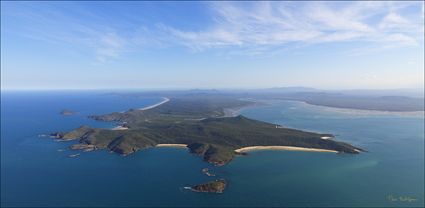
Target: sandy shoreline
[
  {"x": 172, "y": 145},
  {"x": 119, "y": 128},
  {"x": 290, "y": 148},
  {"x": 155, "y": 105},
  {"x": 326, "y": 137}
]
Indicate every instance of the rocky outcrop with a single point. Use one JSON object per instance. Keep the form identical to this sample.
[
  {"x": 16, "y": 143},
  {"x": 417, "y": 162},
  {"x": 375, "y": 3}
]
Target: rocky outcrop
[
  {"x": 214, "y": 154},
  {"x": 207, "y": 172},
  {"x": 67, "y": 112},
  {"x": 83, "y": 147},
  {"x": 74, "y": 134},
  {"x": 216, "y": 186}
]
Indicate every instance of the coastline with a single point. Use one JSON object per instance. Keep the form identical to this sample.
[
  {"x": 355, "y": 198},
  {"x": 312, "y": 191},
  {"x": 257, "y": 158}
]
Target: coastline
[
  {"x": 155, "y": 105},
  {"x": 233, "y": 112},
  {"x": 326, "y": 137},
  {"x": 119, "y": 128},
  {"x": 172, "y": 145},
  {"x": 290, "y": 148}
]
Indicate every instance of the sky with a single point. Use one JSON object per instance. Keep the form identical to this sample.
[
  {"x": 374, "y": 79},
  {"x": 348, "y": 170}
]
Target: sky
[{"x": 165, "y": 45}]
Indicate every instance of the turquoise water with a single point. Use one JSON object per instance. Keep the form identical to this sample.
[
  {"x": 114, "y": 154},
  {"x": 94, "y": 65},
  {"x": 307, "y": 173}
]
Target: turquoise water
[{"x": 34, "y": 173}]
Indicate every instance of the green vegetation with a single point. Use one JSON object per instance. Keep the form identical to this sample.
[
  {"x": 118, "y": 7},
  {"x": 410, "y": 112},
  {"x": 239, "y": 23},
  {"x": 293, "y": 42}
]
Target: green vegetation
[
  {"x": 200, "y": 123},
  {"x": 216, "y": 186}
]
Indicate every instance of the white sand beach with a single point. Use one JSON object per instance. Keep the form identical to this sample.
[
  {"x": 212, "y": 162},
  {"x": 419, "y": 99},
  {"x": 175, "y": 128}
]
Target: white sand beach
[
  {"x": 326, "y": 137},
  {"x": 156, "y": 105},
  {"x": 172, "y": 145},
  {"x": 290, "y": 148},
  {"x": 119, "y": 128}
]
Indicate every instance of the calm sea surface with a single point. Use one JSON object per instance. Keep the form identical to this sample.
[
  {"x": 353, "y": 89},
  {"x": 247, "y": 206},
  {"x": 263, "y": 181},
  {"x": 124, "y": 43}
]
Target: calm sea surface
[{"x": 35, "y": 173}]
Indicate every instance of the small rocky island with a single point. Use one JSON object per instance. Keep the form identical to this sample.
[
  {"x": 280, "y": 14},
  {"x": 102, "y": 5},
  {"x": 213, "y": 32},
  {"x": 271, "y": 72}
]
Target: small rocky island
[
  {"x": 67, "y": 112},
  {"x": 207, "y": 172},
  {"x": 216, "y": 186},
  {"x": 200, "y": 122}
]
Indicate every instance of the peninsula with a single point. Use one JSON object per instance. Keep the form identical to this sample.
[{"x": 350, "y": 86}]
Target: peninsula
[{"x": 203, "y": 125}]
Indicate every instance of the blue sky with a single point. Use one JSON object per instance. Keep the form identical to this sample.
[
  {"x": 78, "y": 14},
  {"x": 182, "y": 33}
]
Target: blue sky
[{"x": 328, "y": 45}]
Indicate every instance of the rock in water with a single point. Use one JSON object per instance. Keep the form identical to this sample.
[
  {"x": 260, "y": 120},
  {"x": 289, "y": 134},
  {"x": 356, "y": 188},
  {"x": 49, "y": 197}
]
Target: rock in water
[
  {"x": 67, "y": 112},
  {"x": 207, "y": 172},
  {"x": 216, "y": 186},
  {"x": 84, "y": 147}
]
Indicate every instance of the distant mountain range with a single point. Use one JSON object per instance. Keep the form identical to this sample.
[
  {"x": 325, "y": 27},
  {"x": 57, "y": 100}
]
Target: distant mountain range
[{"x": 398, "y": 100}]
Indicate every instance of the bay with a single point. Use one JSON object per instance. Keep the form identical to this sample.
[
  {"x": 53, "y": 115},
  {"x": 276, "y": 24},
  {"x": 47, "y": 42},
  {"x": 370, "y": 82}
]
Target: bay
[{"x": 35, "y": 173}]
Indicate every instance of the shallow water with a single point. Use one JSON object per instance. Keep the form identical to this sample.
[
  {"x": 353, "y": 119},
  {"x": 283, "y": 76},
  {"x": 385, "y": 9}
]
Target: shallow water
[{"x": 35, "y": 173}]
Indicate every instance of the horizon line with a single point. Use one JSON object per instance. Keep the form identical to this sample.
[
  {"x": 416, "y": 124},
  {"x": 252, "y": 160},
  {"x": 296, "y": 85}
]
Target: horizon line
[{"x": 200, "y": 88}]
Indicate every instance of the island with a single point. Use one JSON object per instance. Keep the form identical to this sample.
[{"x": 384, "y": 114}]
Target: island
[
  {"x": 216, "y": 186},
  {"x": 201, "y": 123},
  {"x": 67, "y": 112}
]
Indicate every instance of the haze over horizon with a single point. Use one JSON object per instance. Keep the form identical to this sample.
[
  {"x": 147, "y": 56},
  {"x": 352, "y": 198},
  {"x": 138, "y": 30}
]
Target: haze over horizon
[{"x": 165, "y": 45}]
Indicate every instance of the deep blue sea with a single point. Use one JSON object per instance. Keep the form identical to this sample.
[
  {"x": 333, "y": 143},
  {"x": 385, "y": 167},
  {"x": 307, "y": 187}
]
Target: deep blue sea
[{"x": 35, "y": 172}]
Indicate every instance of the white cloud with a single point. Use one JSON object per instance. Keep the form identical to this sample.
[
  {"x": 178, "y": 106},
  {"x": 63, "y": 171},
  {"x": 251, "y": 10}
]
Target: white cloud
[
  {"x": 399, "y": 38},
  {"x": 271, "y": 24},
  {"x": 54, "y": 24},
  {"x": 391, "y": 20},
  {"x": 324, "y": 18},
  {"x": 260, "y": 25},
  {"x": 238, "y": 27},
  {"x": 109, "y": 46}
]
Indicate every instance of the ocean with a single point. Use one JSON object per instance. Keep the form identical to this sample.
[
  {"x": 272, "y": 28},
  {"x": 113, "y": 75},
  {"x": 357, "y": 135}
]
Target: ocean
[{"x": 36, "y": 171}]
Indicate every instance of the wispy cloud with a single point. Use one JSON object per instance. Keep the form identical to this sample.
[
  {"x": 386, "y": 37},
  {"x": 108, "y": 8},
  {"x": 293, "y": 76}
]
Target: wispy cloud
[
  {"x": 109, "y": 46},
  {"x": 278, "y": 23},
  {"x": 249, "y": 28},
  {"x": 53, "y": 23}
]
